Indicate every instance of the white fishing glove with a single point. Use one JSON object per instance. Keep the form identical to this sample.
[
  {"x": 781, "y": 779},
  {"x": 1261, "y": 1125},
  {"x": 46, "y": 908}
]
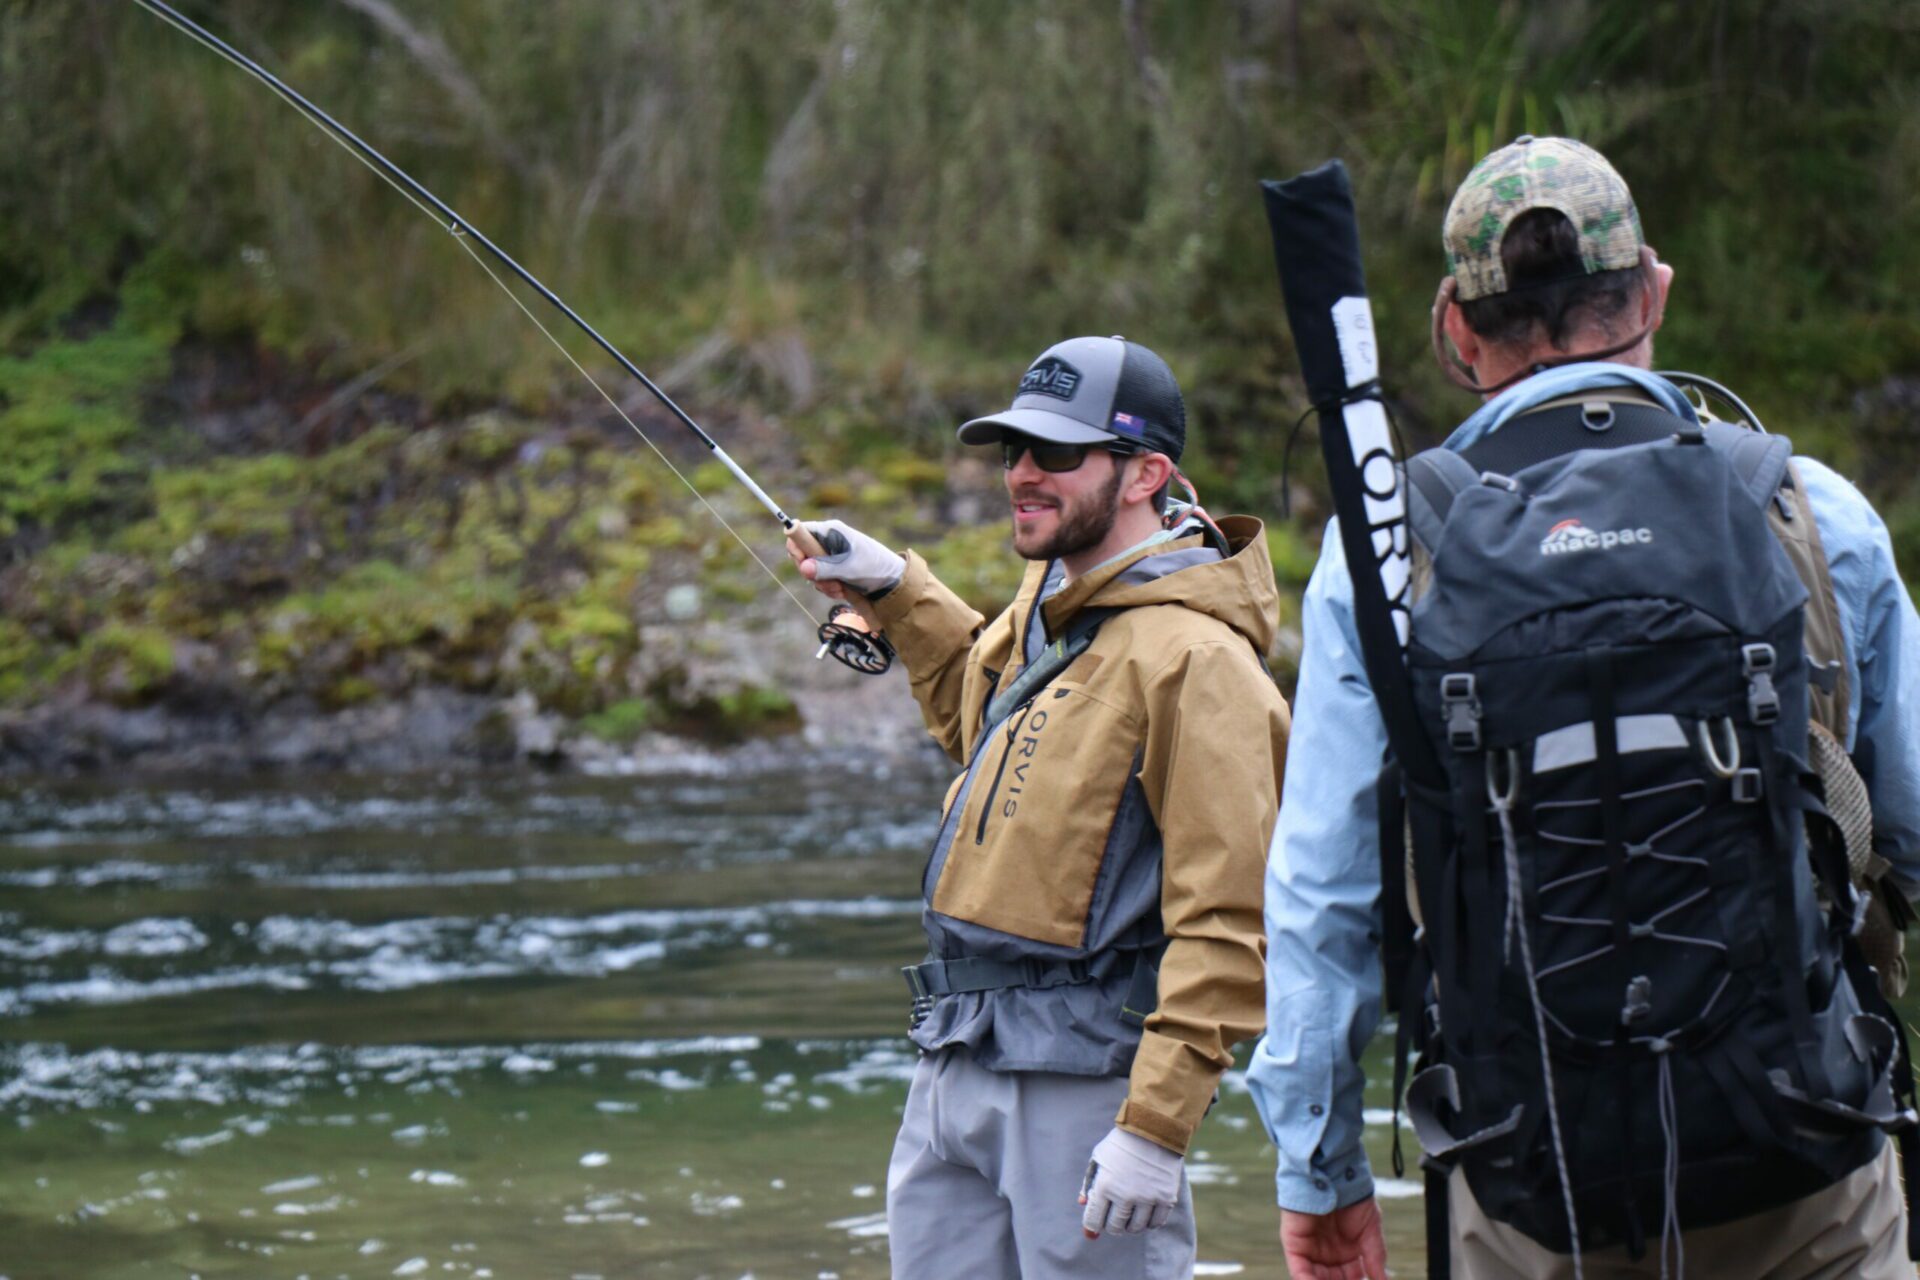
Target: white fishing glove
[
  {"x": 1132, "y": 1185},
  {"x": 855, "y": 559}
]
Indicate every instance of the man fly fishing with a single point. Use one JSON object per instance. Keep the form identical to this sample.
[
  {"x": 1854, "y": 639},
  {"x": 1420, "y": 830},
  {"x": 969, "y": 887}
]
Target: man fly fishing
[
  {"x": 1668, "y": 676},
  {"x": 1093, "y": 896}
]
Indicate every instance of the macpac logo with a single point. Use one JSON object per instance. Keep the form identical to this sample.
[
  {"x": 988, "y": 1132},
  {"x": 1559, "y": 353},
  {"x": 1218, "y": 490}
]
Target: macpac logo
[
  {"x": 1051, "y": 377},
  {"x": 1570, "y": 536}
]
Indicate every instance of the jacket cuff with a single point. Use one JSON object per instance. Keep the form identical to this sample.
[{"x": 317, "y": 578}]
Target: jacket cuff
[
  {"x": 1162, "y": 1130},
  {"x": 898, "y": 600}
]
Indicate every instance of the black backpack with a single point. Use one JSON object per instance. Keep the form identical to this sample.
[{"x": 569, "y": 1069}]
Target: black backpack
[{"x": 1632, "y": 1015}]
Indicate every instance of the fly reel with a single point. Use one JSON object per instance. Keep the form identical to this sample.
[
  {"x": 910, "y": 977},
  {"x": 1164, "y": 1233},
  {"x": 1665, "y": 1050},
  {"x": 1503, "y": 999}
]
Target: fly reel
[{"x": 845, "y": 635}]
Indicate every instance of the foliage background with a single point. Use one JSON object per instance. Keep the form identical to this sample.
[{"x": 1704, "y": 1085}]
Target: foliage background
[{"x": 266, "y": 435}]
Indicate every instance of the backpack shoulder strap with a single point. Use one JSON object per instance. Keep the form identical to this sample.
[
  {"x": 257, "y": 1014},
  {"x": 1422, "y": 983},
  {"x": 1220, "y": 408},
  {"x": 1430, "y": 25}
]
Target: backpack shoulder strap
[
  {"x": 1764, "y": 464},
  {"x": 1571, "y": 425},
  {"x": 1760, "y": 461},
  {"x": 1792, "y": 520},
  {"x": 1435, "y": 477}
]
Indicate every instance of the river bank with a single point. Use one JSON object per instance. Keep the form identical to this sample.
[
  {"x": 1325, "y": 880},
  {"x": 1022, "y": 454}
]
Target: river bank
[
  {"x": 822, "y": 708},
  {"x": 259, "y": 569}
]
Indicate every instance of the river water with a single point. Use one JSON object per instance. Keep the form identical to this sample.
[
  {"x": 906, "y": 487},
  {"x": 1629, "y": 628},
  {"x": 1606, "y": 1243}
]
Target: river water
[{"x": 488, "y": 1026}]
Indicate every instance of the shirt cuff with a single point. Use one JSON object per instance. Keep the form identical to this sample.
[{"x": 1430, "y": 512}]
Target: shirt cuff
[{"x": 1327, "y": 1186}]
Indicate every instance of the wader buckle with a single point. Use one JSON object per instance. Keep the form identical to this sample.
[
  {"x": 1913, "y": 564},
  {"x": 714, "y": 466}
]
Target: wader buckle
[
  {"x": 1044, "y": 974},
  {"x": 921, "y": 1006}
]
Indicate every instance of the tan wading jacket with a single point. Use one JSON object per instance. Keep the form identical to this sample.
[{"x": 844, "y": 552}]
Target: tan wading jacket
[{"x": 1125, "y": 809}]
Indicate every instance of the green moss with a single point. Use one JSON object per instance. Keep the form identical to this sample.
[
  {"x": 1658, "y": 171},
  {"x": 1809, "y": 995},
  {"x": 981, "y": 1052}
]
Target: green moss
[
  {"x": 126, "y": 663},
  {"x": 881, "y": 496},
  {"x": 665, "y": 531},
  {"x": 711, "y": 478},
  {"x": 830, "y": 495},
  {"x": 979, "y": 565},
  {"x": 228, "y": 498},
  {"x": 21, "y": 655},
  {"x": 748, "y": 712},
  {"x": 755, "y": 704},
  {"x": 349, "y": 691},
  {"x": 378, "y": 607},
  {"x": 68, "y": 417},
  {"x": 915, "y": 474},
  {"x": 622, "y": 721},
  {"x": 489, "y": 440},
  {"x": 592, "y": 622},
  {"x": 1293, "y": 557}
]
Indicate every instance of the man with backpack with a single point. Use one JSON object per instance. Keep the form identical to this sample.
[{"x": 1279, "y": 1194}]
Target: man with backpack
[
  {"x": 1093, "y": 895},
  {"x": 1637, "y": 914}
]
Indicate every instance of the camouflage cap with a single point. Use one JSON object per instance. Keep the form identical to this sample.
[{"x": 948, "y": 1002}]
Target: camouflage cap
[{"x": 1538, "y": 173}]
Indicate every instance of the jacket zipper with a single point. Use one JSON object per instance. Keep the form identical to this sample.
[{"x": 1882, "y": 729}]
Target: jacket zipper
[{"x": 986, "y": 810}]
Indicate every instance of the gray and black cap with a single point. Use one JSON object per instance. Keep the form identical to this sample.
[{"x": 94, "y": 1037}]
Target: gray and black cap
[{"x": 1093, "y": 391}]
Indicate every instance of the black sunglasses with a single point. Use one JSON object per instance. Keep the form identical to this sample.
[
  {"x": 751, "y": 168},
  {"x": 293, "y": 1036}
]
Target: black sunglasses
[{"x": 1052, "y": 457}]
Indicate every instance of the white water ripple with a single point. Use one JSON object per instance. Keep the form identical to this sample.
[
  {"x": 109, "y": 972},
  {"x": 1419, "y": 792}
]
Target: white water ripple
[
  {"x": 273, "y": 1075},
  {"x": 305, "y": 952}
]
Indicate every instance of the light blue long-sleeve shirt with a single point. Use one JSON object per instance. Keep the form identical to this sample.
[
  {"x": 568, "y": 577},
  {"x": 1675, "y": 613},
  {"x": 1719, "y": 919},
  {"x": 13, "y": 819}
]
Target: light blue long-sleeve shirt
[{"x": 1323, "y": 872}]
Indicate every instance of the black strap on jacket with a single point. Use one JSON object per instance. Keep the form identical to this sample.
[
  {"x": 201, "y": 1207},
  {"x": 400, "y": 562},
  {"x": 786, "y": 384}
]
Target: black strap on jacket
[
  {"x": 977, "y": 973},
  {"x": 936, "y": 978},
  {"x": 1053, "y": 660}
]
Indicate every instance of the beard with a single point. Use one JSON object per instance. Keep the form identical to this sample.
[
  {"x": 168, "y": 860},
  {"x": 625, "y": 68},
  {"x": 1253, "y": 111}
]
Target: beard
[{"x": 1083, "y": 523}]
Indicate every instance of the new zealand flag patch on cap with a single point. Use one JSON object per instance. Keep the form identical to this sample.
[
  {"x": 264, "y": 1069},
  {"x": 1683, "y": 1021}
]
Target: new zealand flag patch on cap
[
  {"x": 1051, "y": 377},
  {"x": 1126, "y": 424}
]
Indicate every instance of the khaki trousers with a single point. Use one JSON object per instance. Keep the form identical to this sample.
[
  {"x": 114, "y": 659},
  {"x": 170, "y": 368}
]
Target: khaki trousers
[{"x": 1857, "y": 1228}]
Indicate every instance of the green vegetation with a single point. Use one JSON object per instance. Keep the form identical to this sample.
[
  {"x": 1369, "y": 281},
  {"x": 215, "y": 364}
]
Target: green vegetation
[{"x": 265, "y": 425}]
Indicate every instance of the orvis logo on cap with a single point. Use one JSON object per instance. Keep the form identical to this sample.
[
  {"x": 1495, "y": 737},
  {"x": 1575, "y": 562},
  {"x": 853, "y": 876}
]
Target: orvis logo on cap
[{"x": 1051, "y": 377}]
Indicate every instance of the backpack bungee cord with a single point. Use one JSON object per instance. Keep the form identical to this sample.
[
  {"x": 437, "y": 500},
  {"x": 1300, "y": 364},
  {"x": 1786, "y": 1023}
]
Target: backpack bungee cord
[{"x": 849, "y": 632}]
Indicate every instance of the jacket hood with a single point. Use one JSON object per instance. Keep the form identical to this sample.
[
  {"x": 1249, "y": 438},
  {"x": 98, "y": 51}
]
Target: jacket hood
[{"x": 1237, "y": 589}]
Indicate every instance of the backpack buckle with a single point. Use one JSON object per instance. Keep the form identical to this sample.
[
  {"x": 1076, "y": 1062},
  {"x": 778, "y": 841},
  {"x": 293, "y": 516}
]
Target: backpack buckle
[
  {"x": 1638, "y": 1003},
  {"x": 1460, "y": 703},
  {"x": 1763, "y": 701}
]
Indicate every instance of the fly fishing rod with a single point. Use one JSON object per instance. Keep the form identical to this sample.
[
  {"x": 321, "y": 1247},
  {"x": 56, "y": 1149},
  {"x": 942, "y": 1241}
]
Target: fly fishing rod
[{"x": 850, "y": 633}]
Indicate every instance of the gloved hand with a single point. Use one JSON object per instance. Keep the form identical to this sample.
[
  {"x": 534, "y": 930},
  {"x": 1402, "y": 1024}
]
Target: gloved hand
[
  {"x": 1132, "y": 1185},
  {"x": 852, "y": 558}
]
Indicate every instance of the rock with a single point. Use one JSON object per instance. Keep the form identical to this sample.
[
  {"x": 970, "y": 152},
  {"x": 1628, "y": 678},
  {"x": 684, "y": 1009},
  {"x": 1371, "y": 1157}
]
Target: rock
[
  {"x": 681, "y": 602},
  {"x": 536, "y": 735}
]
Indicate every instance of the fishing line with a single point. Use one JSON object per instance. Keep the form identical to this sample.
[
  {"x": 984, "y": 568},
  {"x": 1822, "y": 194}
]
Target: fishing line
[{"x": 463, "y": 233}]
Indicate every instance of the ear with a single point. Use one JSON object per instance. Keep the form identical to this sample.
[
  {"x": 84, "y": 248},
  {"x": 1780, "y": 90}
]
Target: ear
[
  {"x": 1458, "y": 331},
  {"x": 1155, "y": 470},
  {"x": 1662, "y": 283}
]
